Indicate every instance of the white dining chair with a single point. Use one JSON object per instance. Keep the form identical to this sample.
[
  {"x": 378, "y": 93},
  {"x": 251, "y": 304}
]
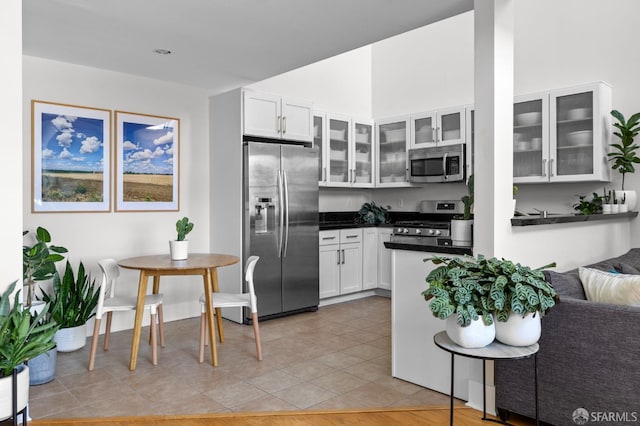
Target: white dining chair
[
  {"x": 109, "y": 303},
  {"x": 226, "y": 300}
]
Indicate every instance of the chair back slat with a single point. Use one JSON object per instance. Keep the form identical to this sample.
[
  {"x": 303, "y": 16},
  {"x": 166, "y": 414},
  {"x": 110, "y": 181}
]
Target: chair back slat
[
  {"x": 248, "y": 276},
  {"x": 110, "y": 272}
]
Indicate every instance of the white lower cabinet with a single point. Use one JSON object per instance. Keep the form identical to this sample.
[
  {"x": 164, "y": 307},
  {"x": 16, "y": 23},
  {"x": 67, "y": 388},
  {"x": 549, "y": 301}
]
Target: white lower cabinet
[
  {"x": 384, "y": 259},
  {"x": 370, "y": 258},
  {"x": 340, "y": 262}
]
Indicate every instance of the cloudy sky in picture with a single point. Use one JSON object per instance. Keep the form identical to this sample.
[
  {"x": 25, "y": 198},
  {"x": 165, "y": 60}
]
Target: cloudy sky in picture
[
  {"x": 72, "y": 143},
  {"x": 147, "y": 149}
]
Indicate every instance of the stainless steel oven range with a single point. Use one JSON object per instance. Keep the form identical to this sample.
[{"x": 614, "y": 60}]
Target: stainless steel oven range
[{"x": 431, "y": 228}]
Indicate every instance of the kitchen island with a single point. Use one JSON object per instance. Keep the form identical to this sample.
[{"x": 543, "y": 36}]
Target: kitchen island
[{"x": 414, "y": 356}]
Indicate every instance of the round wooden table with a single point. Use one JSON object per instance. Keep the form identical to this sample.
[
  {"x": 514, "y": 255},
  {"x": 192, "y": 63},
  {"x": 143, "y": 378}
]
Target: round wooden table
[{"x": 155, "y": 266}]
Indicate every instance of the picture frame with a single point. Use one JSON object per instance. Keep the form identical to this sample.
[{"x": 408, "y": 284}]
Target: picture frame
[
  {"x": 147, "y": 171},
  {"x": 70, "y": 158}
]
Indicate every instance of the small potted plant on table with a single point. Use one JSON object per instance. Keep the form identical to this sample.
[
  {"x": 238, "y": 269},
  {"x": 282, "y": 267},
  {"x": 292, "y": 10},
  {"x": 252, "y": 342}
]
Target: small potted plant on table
[{"x": 179, "y": 248}]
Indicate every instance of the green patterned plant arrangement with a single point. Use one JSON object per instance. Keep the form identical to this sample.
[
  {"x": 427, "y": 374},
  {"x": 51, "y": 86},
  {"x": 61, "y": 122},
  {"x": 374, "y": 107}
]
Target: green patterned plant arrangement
[{"x": 470, "y": 288}]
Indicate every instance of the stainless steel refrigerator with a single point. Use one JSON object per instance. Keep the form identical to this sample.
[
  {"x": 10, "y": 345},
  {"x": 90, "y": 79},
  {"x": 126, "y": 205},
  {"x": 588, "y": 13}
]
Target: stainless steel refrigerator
[{"x": 280, "y": 224}]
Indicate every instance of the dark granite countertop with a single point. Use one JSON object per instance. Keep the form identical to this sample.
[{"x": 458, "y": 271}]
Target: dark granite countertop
[{"x": 568, "y": 218}]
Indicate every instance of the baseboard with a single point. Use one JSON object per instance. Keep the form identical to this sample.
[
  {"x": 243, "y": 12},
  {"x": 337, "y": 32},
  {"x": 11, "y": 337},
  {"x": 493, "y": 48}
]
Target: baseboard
[
  {"x": 475, "y": 397},
  {"x": 346, "y": 297}
]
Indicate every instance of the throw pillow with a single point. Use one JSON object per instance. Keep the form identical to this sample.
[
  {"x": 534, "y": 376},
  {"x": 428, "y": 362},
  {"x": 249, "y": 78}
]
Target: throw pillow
[{"x": 605, "y": 287}]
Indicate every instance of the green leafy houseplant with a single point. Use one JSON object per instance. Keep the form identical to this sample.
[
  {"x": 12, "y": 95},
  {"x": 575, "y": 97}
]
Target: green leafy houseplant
[
  {"x": 372, "y": 213},
  {"x": 183, "y": 226},
  {"x": 456, "y": 287},
  {"x": 587, "y": 207},
  {"x": 73, "y": 299},
  {"x": 516, "y": 288},
  {"x": 624, "y": 157},
  {"x": 470, "y": 287},
  {"x": 38, "y": 261},
  {"x": 467, "y": 200},
  {"x": 22, "y": 337}
]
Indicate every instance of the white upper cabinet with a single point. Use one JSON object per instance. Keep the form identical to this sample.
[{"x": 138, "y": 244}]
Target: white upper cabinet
[
  {"x": 438, "y": 128},
  {"x": 362, "y": 152},
  {"x": 272, "y": 116},
  {"x": 392, "y": 145},
  {"x": 531, "y": 138},
  {"x": 319, "y": 143},
  {"x": 346, "y": 150},
  {"x": 580, "y": 134},
  {"x": 563, "y": 135}
]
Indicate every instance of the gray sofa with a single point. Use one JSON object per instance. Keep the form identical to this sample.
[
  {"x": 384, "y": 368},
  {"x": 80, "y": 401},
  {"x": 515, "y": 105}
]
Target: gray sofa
[{"x": 589, "y": 356}]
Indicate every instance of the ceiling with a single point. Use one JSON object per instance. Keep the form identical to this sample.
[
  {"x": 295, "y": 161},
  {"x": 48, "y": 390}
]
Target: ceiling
[{"x": 216, "y": 44}]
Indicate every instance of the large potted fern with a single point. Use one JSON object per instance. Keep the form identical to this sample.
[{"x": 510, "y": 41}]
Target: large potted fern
[{"x": 71, "y": 304}]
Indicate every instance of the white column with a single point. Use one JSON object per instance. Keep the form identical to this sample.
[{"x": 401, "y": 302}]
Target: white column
[
  {"x": 493, "y": 126},
  {"x": 11, "y": 171},
  {"x": 493, "y": 167}
]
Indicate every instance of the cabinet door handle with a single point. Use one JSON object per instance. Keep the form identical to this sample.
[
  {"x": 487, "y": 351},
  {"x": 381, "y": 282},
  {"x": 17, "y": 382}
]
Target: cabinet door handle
[
  {"x": 278, "y": 119},
  {"x": 284, "y": 124},
  {"x": 324, "y": 174},
  {"x": 343, "y": 257},
  {"x": 352, "y": 236},
  {"x": 328, "y": 238},
  {"x": 544, "y": 167},
  {"x": 551, "y": 167},
  {"x": 338, "y": 256}
]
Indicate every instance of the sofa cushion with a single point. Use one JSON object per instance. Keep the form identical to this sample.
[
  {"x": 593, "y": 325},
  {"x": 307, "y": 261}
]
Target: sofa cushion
[
  {"x": 614, "y": 288},
  {"x": 566, "y": 284},
  {"x": 632, "y": 257}
]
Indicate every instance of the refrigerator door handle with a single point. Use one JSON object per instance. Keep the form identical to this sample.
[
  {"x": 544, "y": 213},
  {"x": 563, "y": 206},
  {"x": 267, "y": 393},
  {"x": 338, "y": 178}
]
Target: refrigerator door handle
[
  {"x": 286, "y": 213},
  {"x": 280, "y": 212}
]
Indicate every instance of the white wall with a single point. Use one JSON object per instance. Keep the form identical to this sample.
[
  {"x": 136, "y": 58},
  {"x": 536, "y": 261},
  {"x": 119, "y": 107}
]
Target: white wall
[
  {"x": 10, "y": 122},
  {"x": 341, "y": 84},
  {"x": 91, "y": 236}
]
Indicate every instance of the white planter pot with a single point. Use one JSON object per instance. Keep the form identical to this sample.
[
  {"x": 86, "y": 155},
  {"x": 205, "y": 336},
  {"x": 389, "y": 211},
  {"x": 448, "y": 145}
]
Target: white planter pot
[
  {"x": 519, "y": 331},
  {"x": 71, "y": 339},
  {"x": 42, "y": 369},
  {"x": 606, "y": 208},
  {"x": 179, "y": 249},
  {"x": 475, "y": 335},
  {"x": 6, "y": 390},
  {"x": 630, "y": 199},
  {"x": 461, "y": 234}
]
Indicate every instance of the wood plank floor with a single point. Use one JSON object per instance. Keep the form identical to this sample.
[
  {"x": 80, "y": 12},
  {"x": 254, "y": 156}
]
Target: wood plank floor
[{"x": 370, "y": 417}]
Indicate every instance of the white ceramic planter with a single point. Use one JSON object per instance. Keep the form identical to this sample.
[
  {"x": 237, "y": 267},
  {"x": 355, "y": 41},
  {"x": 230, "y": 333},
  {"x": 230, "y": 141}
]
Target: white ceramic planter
[
  {"x": 42, "y": 369},
  {"x": 630, "y": 199},
  {"x": 461, "y": 234},
  {"x": 475, "y": 335},
  {"x": 519, "y": 331},
  {"x": 71, "y": 339},
  {"x": 6, "y": 402},
  {"x": 179, "y": 249}
]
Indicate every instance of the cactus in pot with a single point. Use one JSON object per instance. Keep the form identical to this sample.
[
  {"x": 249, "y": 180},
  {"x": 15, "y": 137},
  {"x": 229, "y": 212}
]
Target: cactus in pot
[{"x": 180, "y": 247}]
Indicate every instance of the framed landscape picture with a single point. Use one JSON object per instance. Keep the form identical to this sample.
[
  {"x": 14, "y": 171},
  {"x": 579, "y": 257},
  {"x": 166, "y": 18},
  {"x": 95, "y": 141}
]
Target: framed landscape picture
[
  {"x": 70, "y": 158},
  {"x": 147, "y": 176}
]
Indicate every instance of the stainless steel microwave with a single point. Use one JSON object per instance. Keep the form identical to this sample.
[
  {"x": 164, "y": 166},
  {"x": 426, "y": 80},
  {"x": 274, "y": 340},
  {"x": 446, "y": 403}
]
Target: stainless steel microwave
[{"x": 437, "y": 164}]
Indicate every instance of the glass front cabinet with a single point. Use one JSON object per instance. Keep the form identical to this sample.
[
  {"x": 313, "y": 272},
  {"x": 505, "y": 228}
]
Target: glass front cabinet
[
  {"x": 438, "y": 128},
  {"x": 563, "y": 135},
  {"x": 393, "y": 142},
  {"x": 345, "y": 150}
]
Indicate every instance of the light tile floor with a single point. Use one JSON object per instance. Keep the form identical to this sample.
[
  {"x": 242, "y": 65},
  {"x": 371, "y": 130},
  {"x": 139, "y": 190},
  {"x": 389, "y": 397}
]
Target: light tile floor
[{"x": 338, "y": 357}]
